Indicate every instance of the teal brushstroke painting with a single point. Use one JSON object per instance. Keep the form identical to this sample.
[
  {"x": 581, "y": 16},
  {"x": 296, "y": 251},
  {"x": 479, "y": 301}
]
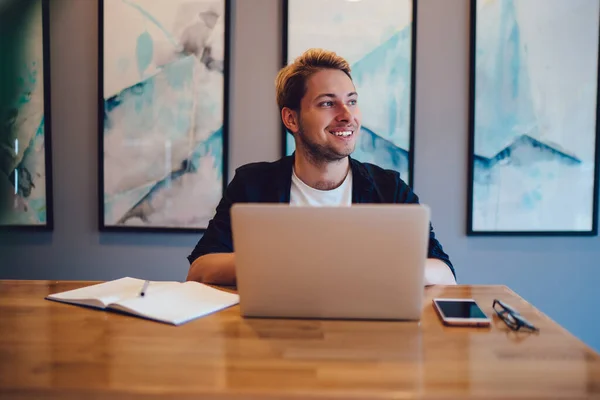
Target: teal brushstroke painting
[
  {"x": 163, "y": 127},
  {"x": 375, "y": 36},
  {"x": 534, "y": 116},
  {"x": 25, "y": 174}
]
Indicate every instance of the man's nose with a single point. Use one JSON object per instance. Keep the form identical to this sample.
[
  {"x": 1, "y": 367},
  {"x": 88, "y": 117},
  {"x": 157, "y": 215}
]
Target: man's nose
[{"x": 344, "y": 114}]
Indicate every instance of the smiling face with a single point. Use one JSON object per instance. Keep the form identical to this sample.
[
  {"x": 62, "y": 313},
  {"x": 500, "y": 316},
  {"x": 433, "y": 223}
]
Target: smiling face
[{"x": 328, "y": 122}]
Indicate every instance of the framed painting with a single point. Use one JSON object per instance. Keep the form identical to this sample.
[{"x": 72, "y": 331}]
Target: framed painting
[
  {"x": 533, "y": 131},
  {"x": 163, "y": 114},
  {"x": 25, "y": 145},
  {"x": 377, "y": 38}
]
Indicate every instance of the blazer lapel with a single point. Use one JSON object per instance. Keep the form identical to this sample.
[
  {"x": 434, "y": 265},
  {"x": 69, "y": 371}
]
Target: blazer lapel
[
  {"x": 362, "y": 183},
  {"x": 283, "y": 181}
]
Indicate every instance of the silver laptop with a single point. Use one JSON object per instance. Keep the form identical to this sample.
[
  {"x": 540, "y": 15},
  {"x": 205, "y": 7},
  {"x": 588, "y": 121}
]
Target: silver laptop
[{"x": 358, "y": 262}]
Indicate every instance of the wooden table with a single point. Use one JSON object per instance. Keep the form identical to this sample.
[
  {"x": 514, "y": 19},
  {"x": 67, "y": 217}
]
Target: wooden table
[{"x": 55, "y": 350}]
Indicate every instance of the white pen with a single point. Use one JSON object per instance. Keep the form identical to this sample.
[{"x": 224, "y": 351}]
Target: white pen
[{"x": 143, "y": 292}]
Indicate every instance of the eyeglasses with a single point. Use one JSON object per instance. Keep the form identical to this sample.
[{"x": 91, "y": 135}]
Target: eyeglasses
[{"x": 511, "y": 317}]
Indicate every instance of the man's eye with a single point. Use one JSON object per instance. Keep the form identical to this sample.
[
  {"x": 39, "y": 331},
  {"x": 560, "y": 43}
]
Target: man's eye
[
  {"x": 353, "y": 102},
  {"x": 327, "y": 104}
]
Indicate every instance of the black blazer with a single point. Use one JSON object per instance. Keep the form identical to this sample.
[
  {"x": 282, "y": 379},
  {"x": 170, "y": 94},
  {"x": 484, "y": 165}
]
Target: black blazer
[{"x": 270, "y": 182}]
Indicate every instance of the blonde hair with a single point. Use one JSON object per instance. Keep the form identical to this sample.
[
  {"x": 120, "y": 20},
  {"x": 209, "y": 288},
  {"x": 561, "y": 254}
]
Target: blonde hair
[{"x": 291, "y": 80}]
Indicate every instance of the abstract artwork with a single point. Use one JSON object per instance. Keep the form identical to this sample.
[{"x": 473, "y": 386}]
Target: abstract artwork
[
  {"x": 377, "y": 38},
  {"x": 163, "y": 112},
  {"x": 533, "y": 166},
  {"x": 25, "y": 148}
]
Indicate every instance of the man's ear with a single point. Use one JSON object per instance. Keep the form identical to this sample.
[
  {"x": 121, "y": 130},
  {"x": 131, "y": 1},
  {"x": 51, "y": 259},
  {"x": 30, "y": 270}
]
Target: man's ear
[{"x": 290, "y": 119}]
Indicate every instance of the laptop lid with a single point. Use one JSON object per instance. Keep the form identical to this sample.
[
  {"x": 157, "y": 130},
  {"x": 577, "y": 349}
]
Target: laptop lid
[{"x": 360, "y": 262}]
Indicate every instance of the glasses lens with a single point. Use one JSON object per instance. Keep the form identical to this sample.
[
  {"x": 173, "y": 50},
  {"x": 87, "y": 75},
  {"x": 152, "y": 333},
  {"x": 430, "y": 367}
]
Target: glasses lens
[
  {"x": 522, "y": 322},
  {"x": 510, "y": 320},
  {"x": 498, "y": 307},
  {"x": 507, "y": 307}
]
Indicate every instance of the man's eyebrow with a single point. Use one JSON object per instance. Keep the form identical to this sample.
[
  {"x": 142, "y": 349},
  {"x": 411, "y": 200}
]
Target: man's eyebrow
[
  {"x": 334, "y": 96},
  {"x": 325, "y": 95}
]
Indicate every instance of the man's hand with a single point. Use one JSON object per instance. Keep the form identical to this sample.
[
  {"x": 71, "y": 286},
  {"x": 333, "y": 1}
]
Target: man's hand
[
  {"x": 438, "y": 273},
  {"x": 216, "y": 269}
]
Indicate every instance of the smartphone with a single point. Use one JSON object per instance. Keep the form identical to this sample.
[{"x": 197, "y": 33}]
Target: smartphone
[{"x": 460, "y": 312}]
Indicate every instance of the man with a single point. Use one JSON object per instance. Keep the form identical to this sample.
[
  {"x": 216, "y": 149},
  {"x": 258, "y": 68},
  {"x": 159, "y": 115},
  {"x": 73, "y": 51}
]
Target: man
[{"x": 319, "y": 106}]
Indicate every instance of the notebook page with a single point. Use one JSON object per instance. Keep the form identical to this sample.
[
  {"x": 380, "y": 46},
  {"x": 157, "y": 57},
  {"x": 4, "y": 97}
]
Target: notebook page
[
  {"x": 102, "y": 294},
  {"x": 181, "y": 304}
]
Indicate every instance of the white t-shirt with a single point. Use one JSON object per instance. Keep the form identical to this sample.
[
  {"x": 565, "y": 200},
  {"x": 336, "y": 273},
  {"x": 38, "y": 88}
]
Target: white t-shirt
[{"x": 303, "y": 195}]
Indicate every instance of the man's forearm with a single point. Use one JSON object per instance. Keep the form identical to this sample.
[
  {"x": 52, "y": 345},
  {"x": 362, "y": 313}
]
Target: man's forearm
[
  {"x": 437, "y": 272},
  {"x": 216, "y": 269},
  {"x": 219, "y": 269}
]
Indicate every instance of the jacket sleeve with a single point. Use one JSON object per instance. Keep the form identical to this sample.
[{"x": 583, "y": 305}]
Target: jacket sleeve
[
  {"x": 218, "y": 238},
  {"x": 405, "y": 194}
]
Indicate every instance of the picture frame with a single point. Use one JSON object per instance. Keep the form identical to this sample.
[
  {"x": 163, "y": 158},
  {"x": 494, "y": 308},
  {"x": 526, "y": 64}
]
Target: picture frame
[
  {"x": 26, "y": 118},
  {"x": 533, "y": 123},
  {"x": 164, "y": 75},
  {"x": 381, "y": 50}
]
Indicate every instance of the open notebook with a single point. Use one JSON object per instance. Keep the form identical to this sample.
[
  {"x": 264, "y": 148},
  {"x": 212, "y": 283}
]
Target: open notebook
[{"x": 170, "y": 302}]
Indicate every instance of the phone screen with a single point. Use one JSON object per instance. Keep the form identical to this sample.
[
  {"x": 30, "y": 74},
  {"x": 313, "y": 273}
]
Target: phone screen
[{"x": 460, "y": 309}]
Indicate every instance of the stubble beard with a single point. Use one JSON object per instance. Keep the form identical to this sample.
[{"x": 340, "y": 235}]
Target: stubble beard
[{"x": 318, "y": 154}]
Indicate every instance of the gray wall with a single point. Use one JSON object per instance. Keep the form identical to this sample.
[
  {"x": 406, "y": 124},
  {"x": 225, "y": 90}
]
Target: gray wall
[{"x": 558, "y": 275}]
